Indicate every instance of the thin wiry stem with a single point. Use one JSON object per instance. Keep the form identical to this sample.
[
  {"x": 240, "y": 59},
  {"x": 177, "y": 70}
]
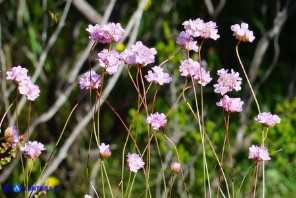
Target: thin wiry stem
[{"x": 247, "y": 78}]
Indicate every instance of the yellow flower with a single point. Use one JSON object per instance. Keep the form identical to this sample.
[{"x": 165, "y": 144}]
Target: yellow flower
[
  {"x": 52, "y": 181},
  {"x": 120, "y": 47}
]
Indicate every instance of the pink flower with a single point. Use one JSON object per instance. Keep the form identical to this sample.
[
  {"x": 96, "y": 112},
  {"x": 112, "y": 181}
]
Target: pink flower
[
  {"x": 32, "y": 150},
  {"x": 202, "y": 76},
  {"x": 156, "y": 120},
  {"x": 193, "y": 68},
  {"x": 186, "y": 42},
  {"x": 104, "y": 150},
  {"x": 105, "y": 33},
  {"x": 110, "y": 60},
  {"x": 11, "y": 135},
  {"x": 158, "y": 76},
  {"x": 28, "y": 88},
  {"x": 197, "y": 28},
  {"x": 227, "y": 81},
  {"x": 90, "y": 79},
  {"x": 87, "y": 196},
  {"x": 267, "y": 119},
  {"x": 230, "y": 105},
  {"x": 258, "y": 153},
  {"x": 17, "y": 73},
  {"x": 189, "y": 67},
  {"x": 242, "y": 33},
  {"x": 139, "y": 55},
  {"x": 134, "y": 162},
  {"x": 175, "y": 167}
]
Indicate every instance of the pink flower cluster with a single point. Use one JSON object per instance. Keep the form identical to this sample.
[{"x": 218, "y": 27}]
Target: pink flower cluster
[
  {"x": 11, "y": 135},
  {"x": 110, "y": 60},
  {"x": 32, "y": 150},
  {"x": 230, "y": 105},
  {"x": 267, "y": 119},
  {"x": 193, "y": 68},
  {"x": 139, "y": 55},
  {"x": 175, "y": 167},
  {"x": 258, "y": 153},
  {"x": 156, "y": 120},
  {"x": 227, "y": 81},
  {"x": 242, "y": 33},
  {"x": 158, "y": 76},
  {"x": 25, "y": 84},
  {"x": 90, "y": 79},
  {"x": 134, "y": 162},
  {"x": 187, "y": 42},
  {"x": 105, "y": 33},
  {"x": 104, "y": 150},
  {"x": 198, "y": 28}
]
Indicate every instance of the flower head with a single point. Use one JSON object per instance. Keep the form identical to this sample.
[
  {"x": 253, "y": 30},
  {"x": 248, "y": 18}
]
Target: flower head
[
  {"x": 230, "y": 105},
  {"x": 193, "y": 68},
  {"x": 139, "y": 55},
  {"x": 11, "y": 135},
  {"x": 17, "y": 73},
  {"x": 106, "y": 33},
  {"x": 198, "y": 28},
  {"x": 28, "y": 88},
  {"x": 90, "y": 79},
  {"x": 175, "y": 167},
  {"x": 267, "y": 119},
  {"x": 258, "y": 153},
  {"x": 110, "y": 60},
  {"x": 32, "y": 150},
  {"x": 242, "y": 33},
  {"x": 158, "y": 76},
  {"x": 87, "y": 196},
  {"x": 134, "y": 162},
  {"x": 228, "y": 81},
  {"x": 187, "y": 42},
  {"x": 156, "y": 120},
  {"x": 104, "y": 150}
]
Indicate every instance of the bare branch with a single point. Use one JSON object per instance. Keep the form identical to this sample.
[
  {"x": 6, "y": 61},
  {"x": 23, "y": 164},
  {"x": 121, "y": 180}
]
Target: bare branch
[{"x": 88, "y": 11}]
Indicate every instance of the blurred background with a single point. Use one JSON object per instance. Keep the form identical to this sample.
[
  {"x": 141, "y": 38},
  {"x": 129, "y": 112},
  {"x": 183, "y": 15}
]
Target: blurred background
[{"x": 49, "y": 39}]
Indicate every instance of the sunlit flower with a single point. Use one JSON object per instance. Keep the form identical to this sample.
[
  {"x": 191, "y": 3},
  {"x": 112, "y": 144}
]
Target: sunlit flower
[
  {"x": 187, "y": 42},
  {"x": 193, "y": 68},
  {"x": 258, "y": 153},
  {"x": 134, "y": 162},
  {"x": 267, "y": 119},
  {"x": 32, "y": 150},
  {"x": 29, "y": 89},
  {"x": 17, "y": 73},
  {"x": 106, "y": 33},
  {"x": 90, "y": 79},
  {"x": 230, "y": 105},
  {"x": 87, "y": 196},
  {"x": 11, "y": 135},
  {"x": 110, "y": 60},
  {"x": 198, "y": 28},
  {"x": 242, "y": 33},
  {"x": 228, "y": 81},
  {"x": 139, "y": 55},
  {"x": 104, "y": 150},
  {"x": 189, "y": 67},
  {"x": 175, "y": 167},
  {"x": 156, "y": 120},
  {"x": 158, "y": 76}
]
